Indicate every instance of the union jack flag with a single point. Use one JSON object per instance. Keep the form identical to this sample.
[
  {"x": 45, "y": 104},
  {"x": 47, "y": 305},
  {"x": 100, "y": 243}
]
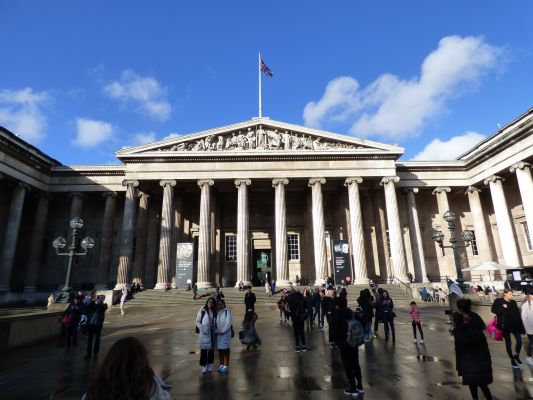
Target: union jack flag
[{"x": 265, "y": 69}]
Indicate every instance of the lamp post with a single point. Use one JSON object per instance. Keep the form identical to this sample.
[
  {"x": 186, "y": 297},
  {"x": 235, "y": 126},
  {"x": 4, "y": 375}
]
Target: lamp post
[
  {"x": 60, "y": 243},
  {"x": 466, "y": 237}
]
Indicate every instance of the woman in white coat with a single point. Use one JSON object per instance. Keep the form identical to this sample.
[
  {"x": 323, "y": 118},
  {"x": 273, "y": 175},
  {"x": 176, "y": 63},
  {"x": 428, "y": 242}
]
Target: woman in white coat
[
  {"x": 206, "y": 328},
  {"x": 527, "y": 318},
  {"x": 224, "y": 328}
]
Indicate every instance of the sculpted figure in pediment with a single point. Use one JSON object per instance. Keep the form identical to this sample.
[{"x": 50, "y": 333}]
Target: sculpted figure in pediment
[
  {"x": 274, "y": 140},
  {"x": 251, "y": 139}
]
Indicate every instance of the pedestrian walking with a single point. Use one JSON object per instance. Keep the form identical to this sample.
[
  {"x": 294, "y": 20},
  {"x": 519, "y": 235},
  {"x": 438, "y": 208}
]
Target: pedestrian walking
[
  {"x": 472, "y": 355},
  {"x": 249, "y": 335},
  {"x": 349, "y": 354},
  {"x": 249, "y": 299},
  {"x": 386, "y": 309},
  {"x": 308, "y": 299},
  {"x": 414, "y": 313},
  {"x": 206, "y": 328},
  {"x": 194, "y": 291},
  {"x": 273, "y": 287},
  {"x": 282, "y": 306},
  {"x": 377, "y": 315},
  {"x": 125, "y": 374},
  {"x": 224, "y": 329},
  {"x": 328, "y": 308},
  {"x": 316, "y": 300},
  {"x": 527, "y": 319},
  {"x": 123, "y": 300},
  {"x": 298, "y": 310},
  {"x": 70, "y": 322},
  {"x": 510, "y": 322},
  {"x": 95, "y": 321},
  {"x": 367, "y": 312},
  {"x": 268, "y": 289}
]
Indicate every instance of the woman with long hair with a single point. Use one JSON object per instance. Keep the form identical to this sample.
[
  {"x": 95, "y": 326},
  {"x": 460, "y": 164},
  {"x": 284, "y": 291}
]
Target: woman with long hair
[
  {"x": 206, "y": 328},
  {"x": 249, "y": 334},
  {"x": 527, "y": 319},
  {"x": 224, "y": 328},
  {"x": 386, "y": 309},
  {"x": 125, "y": 374}
]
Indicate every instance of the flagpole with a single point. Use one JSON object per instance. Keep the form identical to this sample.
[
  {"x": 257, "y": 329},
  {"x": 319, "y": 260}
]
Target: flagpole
[{"x": 259, "y": 73}]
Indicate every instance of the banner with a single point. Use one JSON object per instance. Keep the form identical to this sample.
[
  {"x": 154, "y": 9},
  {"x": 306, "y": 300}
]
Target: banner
[
  {"x": 184, "y": 264},
  {"x": 341, "y": 262}
]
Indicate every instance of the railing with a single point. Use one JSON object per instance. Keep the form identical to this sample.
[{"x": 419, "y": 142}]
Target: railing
[{"x": 403, "y": 285}]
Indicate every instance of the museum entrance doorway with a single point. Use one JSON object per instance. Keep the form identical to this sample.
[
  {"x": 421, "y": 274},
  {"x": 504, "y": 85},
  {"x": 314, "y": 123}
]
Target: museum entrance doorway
[{"x": 262, "y": 265}]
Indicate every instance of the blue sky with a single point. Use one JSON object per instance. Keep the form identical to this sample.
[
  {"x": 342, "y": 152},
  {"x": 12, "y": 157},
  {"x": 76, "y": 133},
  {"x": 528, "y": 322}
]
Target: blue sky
[{"x": 81, "y": 80}]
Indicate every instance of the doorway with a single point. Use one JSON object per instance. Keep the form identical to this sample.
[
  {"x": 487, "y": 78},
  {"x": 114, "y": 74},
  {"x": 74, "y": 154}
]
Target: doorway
[{"x": 262, "y": 265}]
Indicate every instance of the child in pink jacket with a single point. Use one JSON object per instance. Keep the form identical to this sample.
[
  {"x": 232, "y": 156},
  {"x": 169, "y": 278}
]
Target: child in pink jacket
[{"x": 414, "y": 312}]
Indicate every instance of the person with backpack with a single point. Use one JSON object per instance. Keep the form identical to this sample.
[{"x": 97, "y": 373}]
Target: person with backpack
[
  {"x": 509, "y": 320},
  {"x": 70, "y": 322},
  {"x": 349, "y": 335},
  {"x": 298, "y": 311},
  {"x": 206, "y": 328},
  {"x": 367, "y": 312},
  {"x": 224, "y": 329},
  {"x": 386, "y": 309}
]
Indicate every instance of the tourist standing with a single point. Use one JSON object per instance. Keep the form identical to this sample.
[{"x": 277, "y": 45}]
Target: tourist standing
[
  {"x": 349, "y": 355},
  {"x": 414, "y": 313},
  {"x": 328, "y": 308},
  {"x": 377, "y": 314},
  {"x": 527, "y": 319},
  {"x": 249, "y": 299},
  {"x": 195, "y": 291},
  {"x": 206, "y": 328},
  {"x": 125, "y": 373},
  {"x": 282, "y": 306},
  {"x": 268, "y": 289},
  {"x": 70, "y": 321},
  {"x": 123, "y": 300},
  {"x": 241, "y": 286},
  {"x": 95, "y": 321},
  {"x": 367, "y": 311},
  {"x": 316, "y": 300},
  {"x": 308, "y": 299},
  {"x": 273, "y": 287},
  {"x": 297, "y": 307},
  {"x": 386, "y": 309},
  {"x": 472, "y": 353},
  {"x": 224, "y": 329},
  {"x": 249, "y": 334},
  {"x": 510, "y": 322}
]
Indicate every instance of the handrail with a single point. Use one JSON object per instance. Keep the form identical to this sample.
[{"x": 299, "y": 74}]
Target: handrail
[{"x": 406, "y": 286}]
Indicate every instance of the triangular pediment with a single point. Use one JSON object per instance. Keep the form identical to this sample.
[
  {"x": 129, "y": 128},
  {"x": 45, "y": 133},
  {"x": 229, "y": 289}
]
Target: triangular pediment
[{"x": 258, "y": 136}]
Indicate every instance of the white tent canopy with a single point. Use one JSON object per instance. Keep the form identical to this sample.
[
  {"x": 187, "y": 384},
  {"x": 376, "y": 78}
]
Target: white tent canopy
[{"x": 487, "y": 266}]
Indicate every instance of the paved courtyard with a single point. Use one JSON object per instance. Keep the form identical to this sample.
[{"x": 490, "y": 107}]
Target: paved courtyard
[{"x": 401, "y": 371}]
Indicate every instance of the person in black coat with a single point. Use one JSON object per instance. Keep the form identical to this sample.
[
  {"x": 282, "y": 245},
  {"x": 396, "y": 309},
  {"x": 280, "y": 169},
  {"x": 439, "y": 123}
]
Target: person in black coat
[
  {"x": 365, "y": 301},
  {"x": 95, "y": 321},
  {"x": 472, "y": 355},
  {"x": 298, "y": 309},
  {"x": 349, "y": 355},
  {"x": 249, "y": 299},
  {"x": 509, "y": 320},
  {"x": 71, "y": 321},
  {"x": 328, "y": 309}
]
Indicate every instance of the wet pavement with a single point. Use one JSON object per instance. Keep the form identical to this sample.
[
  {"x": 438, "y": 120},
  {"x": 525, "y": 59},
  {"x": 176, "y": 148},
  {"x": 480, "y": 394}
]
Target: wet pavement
[{"x": 274, "y": 371}]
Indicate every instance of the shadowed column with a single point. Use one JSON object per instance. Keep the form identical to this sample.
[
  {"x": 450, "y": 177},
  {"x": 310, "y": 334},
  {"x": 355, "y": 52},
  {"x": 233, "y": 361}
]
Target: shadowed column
[
  {"x": 34, "y": 258},
  {"x": 107, "y": 239},
  {"x": 167, "y": 222},
  {"x": 319, "y": 235},
  {"x": 243, "y": 258},
  {"x": 140, "y": 243},
  {"x": 525, "y": 185},
  {"x": 356, "y": 231},
  {"x": 415, "y": 234},
  {"x": 280, "y": 211},
  {"x": 204, "y": 253},
  {"x": 480, "y": 229}
]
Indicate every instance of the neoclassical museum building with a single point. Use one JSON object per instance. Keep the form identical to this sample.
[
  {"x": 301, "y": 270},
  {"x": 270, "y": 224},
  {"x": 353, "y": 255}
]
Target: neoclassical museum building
[{"x": 263, "y": 197}]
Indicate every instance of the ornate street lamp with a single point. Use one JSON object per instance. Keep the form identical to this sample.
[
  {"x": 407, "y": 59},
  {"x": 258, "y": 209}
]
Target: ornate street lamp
[
  {"x": 466, "y": 237},
  {"x": 60, "y": 243}
]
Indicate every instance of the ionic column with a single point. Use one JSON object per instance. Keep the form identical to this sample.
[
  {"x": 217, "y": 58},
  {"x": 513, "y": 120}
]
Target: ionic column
[
  {"x": 34, "y": 258},
  {"x": 505, "y": 227},
  {"x": 76, "y": 204},
  {"x": 319, "y": 236},
  {"x": 419, "y": 258},
  {"x": 399, "y": 268},
  {"x": 165, "y": 237},
  {"x": 7, "y": 257},
  {"x": 243, "y": 260},
  {"x": 140, "y": 243},
  {"x": 204, "y": 246},
  {"x": 106, "y": 240},
  {"x": 480, "y": 229},
  {"x": 128, "y": 232},
  {"x": 525, "y": 184},
  {"x": 282, "y": 261},
  {"x": 441, "y": 193},
  {"x": 356, "y": 231}
]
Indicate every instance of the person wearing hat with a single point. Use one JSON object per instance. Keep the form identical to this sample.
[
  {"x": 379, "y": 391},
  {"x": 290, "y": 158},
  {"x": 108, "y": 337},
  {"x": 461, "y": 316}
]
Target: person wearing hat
[{"x": 527, "y": 319}]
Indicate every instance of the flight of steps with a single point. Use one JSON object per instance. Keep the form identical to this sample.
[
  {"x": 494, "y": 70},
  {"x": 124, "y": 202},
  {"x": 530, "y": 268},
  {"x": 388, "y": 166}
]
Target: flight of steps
[{"x": 232, "y": 296}]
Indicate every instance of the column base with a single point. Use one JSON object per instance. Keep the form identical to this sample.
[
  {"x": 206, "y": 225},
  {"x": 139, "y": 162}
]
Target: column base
[
  {"x": 205, "y": 285},
  {"x": 360, "y": 281},
  {"x": 245, "y": 283},
  {"x": 283, "y": 283},
  {"x": 119, "y": 286},
  {"x": 160, "y": 286},
  {"x": 320, "y": 282}
]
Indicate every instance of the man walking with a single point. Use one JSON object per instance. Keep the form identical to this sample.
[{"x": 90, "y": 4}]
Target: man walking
[{"x": 249, "y": 299}]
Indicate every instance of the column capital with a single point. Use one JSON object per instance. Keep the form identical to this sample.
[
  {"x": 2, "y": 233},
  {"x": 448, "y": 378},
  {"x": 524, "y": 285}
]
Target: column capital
[
  {"x": 406, "y": 190},
  {"x": 472, "y": 189},
  {"x": 203, "y": 182},
  {"x": 352, "y": 180},
  {"x": 165, "y": 182},
  {"x": 23, "y": 185},
  {"x": 520, "y": 165},
  {"x": 128, "y": 182},
  {"x": 239, "y": 182},
  {"x": 280, "y": 181},
  {"x": 77, "y": 194},
  {"x": 441, "y": 189},
  {"x": 388, "y": 179},
  {"x": 314, "y": 181},
  {"x": 493, "y": 179},
  {"x": 109, "y": 194}
]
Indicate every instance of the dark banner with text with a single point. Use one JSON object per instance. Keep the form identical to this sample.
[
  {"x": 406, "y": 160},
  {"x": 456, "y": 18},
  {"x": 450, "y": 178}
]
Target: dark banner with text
[
  {"x": 341, "y": 262},
  {"x": 184, "y": 264}
]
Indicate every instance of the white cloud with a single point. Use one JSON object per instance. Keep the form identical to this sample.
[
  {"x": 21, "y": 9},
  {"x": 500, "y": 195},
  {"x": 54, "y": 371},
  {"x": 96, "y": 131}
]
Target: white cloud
[
  {"x": 438, "y": 150},
  {"x": 395, "y": 108},
  {"x": 145, "y": 92},
  {"x": 90, "y": 133},
  {"x": 171, "y": 135},
  {"x": 141, "y": 138},
  {"x": 21, "y": 112}
]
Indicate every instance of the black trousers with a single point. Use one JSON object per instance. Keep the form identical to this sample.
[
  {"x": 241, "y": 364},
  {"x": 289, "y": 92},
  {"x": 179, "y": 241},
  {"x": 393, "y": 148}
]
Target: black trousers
[
  {"x": 71, "y": 334},
  {"x": 93, "y": 335},
  {"x": 207, "y": 356},
  {"x": 484, "y": 389},
  {"x": 298, "y": 328},
  {"x": 419, "y": 326},
  {"x": 329, "y": 318},
  {"x": 350, "y": 360},
  {"x": 530, "y": 345},
  {"x": 316, "y": 313},
  {"x": 508, "y": 343},
  {"x": 389, "y": 325}
]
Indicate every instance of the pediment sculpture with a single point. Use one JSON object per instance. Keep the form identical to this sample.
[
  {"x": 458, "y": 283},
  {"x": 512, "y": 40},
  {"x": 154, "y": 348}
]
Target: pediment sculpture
[{"x": 259, "y": 138}]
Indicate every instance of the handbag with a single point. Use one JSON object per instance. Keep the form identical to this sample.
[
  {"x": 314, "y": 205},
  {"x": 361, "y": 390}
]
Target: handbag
[
  {"x": 493, "y": 330},
  {"x": 232, "y": 332},
  {"x": 67, "y": 320},
  {"x": 241, "y": 335}
]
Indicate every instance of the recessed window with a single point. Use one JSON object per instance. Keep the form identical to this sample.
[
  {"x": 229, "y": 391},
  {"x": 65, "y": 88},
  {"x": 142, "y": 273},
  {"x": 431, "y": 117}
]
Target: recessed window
[
  {"x": 527, "y": 236},
  {"x": 294, "y": 246},
  {"x": 231, "y": 248},
  {"x": 473, "y": 243},
  {"x": 388, "y": 243}
]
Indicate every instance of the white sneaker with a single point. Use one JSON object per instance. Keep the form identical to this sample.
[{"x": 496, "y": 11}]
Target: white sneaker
[
  {"x": 204, "y": 370},
  {"x": 529, "y": 361},
  {"x": 209, "y": 367},
  {"x": 421, "y": 341},
  {"x": 414, "y": 340}
]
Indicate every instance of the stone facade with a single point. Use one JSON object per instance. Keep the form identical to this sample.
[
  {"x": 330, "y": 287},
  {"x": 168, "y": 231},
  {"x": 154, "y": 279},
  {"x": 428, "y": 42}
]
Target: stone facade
[{"x": 262, "y": 189}]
